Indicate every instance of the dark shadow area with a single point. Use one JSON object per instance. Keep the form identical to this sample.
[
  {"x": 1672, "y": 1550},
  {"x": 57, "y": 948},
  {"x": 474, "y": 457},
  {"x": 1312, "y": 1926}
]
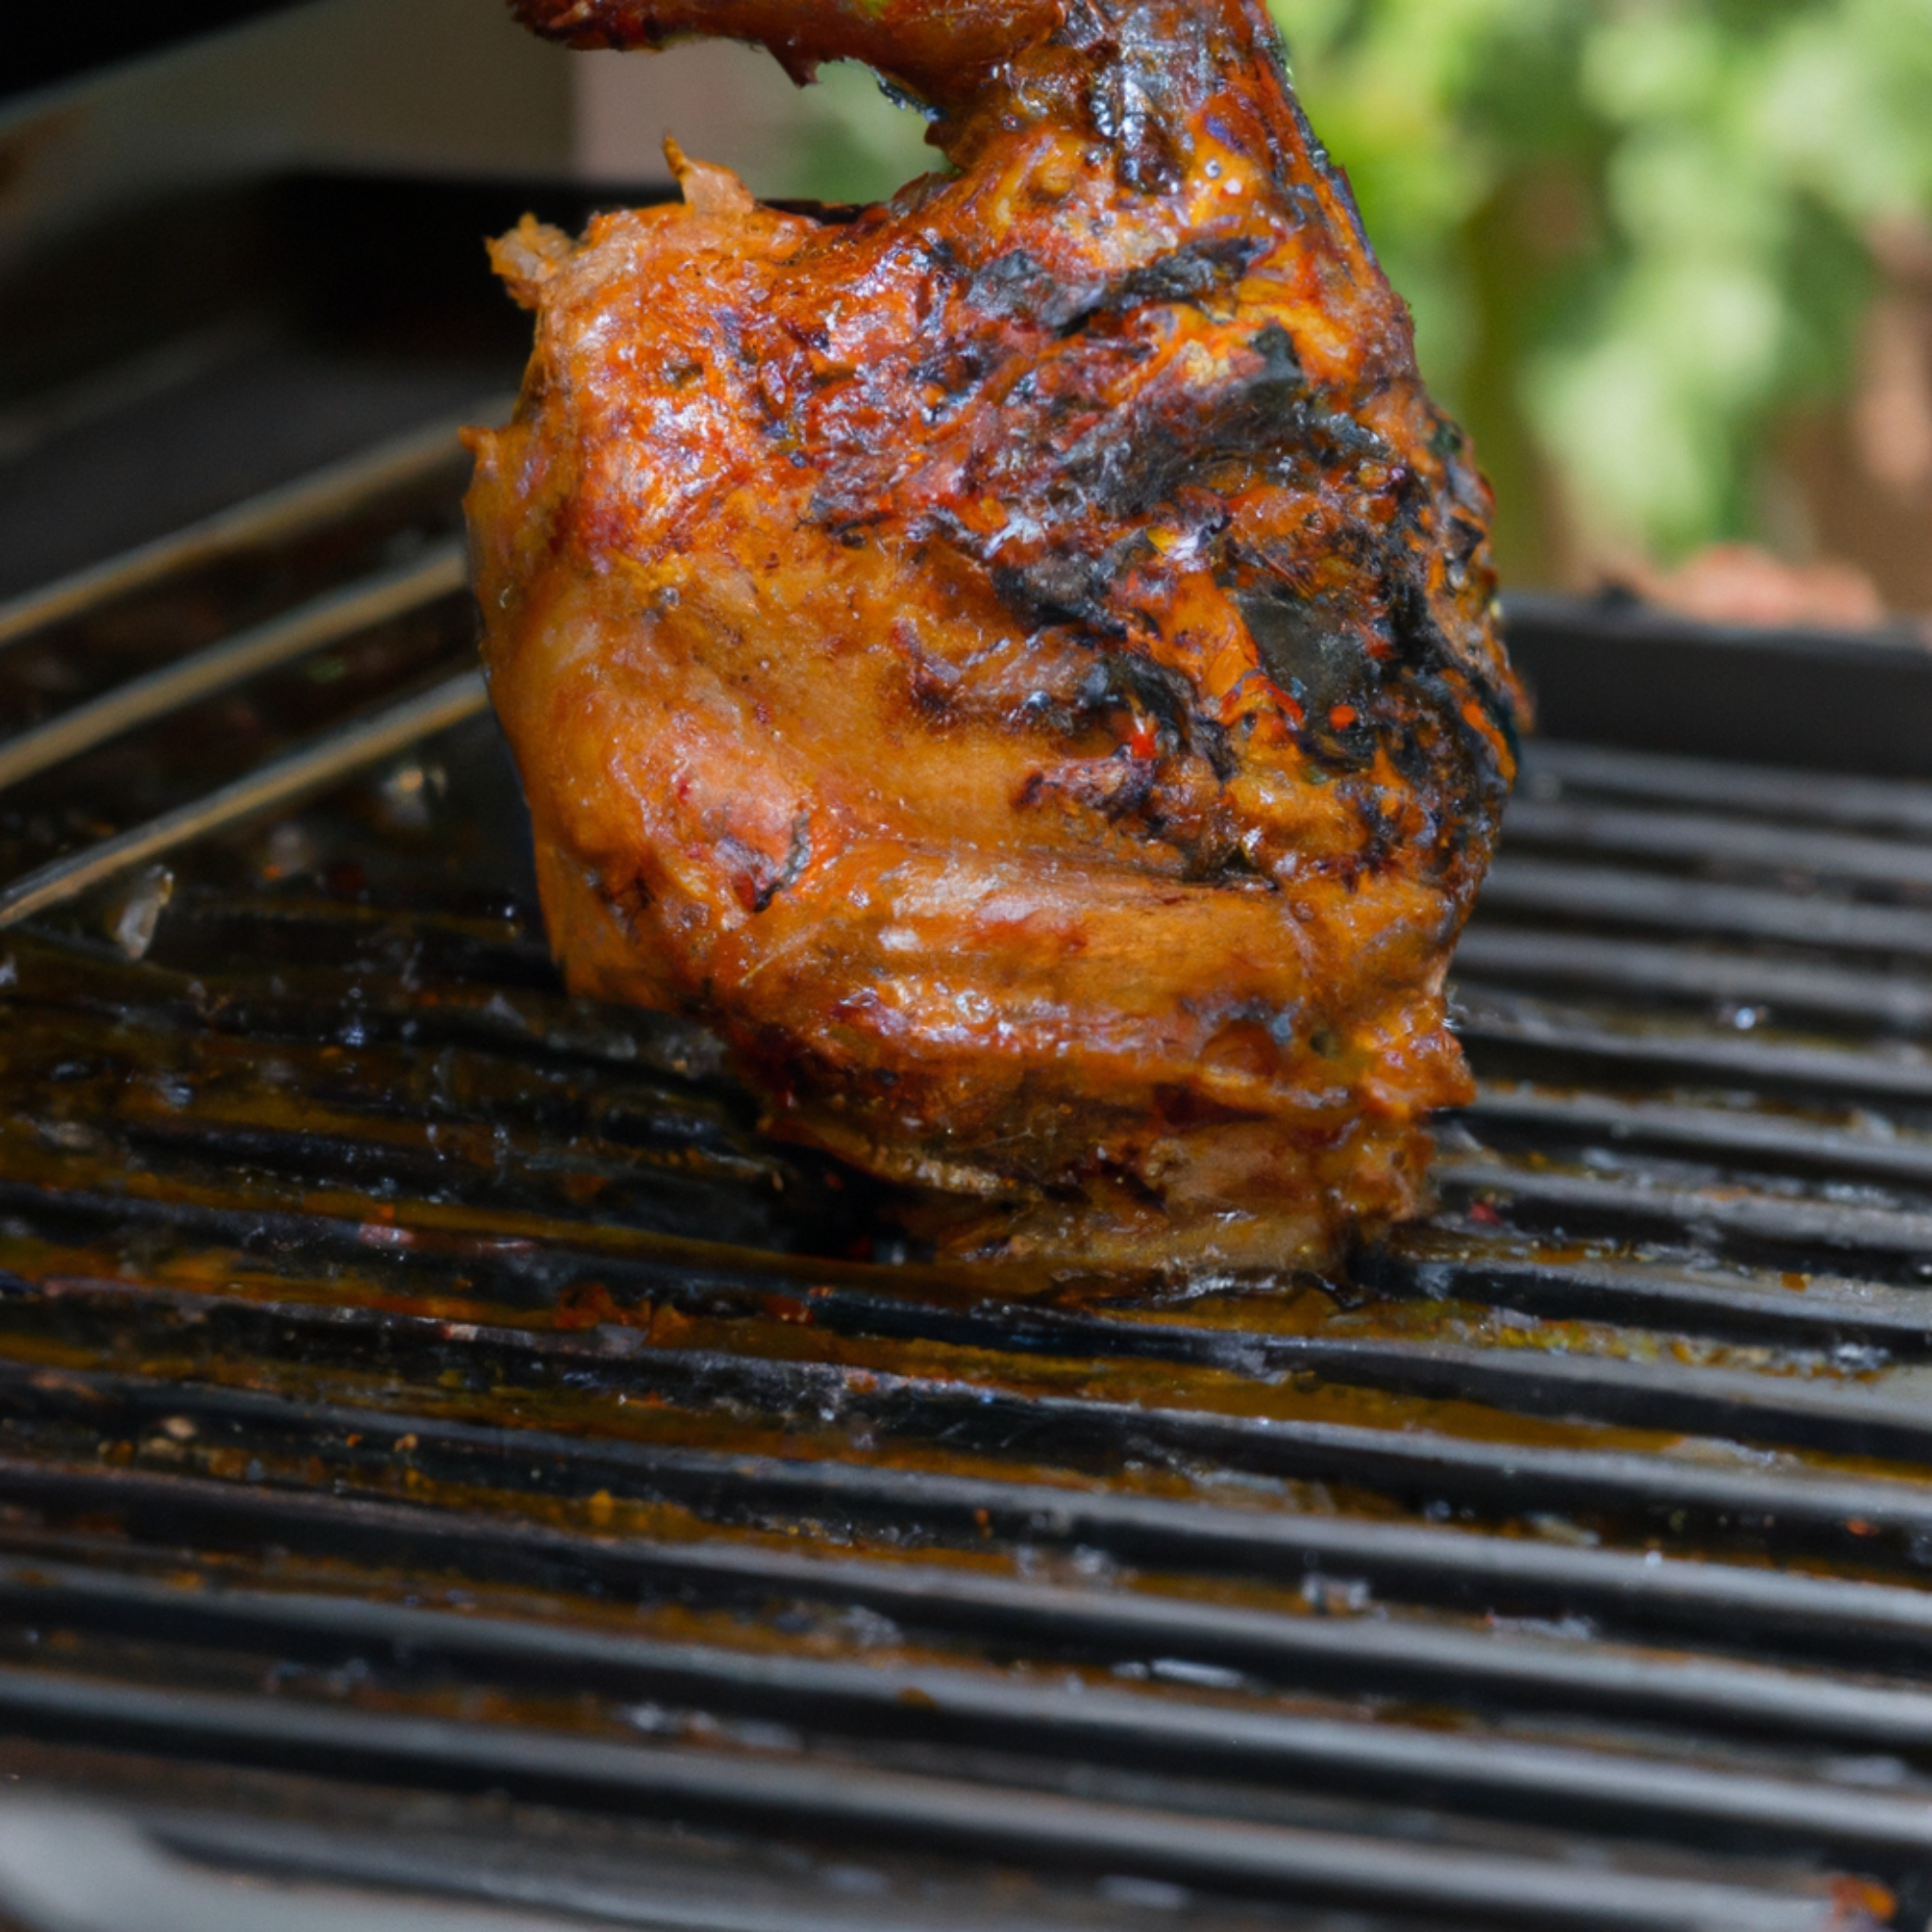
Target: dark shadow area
[{"x": 157, "y": 367}]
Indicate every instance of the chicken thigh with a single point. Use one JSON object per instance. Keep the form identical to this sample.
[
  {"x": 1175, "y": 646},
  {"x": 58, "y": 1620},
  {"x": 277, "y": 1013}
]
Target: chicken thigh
[{"x": 1018, "y": 661}]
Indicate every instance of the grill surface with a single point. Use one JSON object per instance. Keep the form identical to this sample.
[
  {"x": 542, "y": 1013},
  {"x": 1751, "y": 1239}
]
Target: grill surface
[{"x": 444, "y": 1451}]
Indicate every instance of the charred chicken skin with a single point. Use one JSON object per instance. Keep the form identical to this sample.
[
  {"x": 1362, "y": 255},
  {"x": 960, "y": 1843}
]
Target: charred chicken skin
[{"x": 1018, "y": 661}]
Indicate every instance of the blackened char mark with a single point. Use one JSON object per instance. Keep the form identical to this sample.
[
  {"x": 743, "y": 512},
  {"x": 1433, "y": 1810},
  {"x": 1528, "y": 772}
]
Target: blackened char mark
[
  {"x": 1424, "y": 653},
  {"x": 1126, "y": 679},
  {"x": 1314, "y": 433},
  {"x": 1180, "y": 435},
  {"x": 1059, "y": 587},
  {"x": 1281, "y": 368},
  {"x": 769, "y": 880},
  {"x": 956, "y": 370},
  {"x": 1300, "y": 421},
  {"x": 1067, "y": 590},
  {"x": 1307, "y": 648},
  {"x": 1017, "y": 284},
  {"x": 1193, "y": 273},
  {"x": 1418, "y": 638},
  {"x": 1117, "y": 788},
  {"x": 1468, "y": 812}
]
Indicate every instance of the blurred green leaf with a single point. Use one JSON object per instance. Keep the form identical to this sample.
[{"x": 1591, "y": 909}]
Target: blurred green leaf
[{"x": 1633, "y": 232}]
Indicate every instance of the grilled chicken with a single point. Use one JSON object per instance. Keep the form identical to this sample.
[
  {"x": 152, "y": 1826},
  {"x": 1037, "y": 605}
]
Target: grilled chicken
[{"x": 1018, "y": 661}]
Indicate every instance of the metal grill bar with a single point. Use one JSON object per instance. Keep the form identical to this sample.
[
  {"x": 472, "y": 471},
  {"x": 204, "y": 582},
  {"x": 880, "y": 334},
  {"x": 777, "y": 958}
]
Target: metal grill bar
[
  {"x": 1487, "y": 1018},
  {"x": 324, "y": 620},
  {"x": 1845, "y": 1417},
  {"x": 711, "y": 1281},
  {"x": 1337, "y": 1653},
  {"x": 1641, "y": 972},
  {"x": 299, "y": 774},
  {"x": 1638, "y": 898},
  {"x": 1824, "y": 1313},
  {"x": 1874, "y": 805},
  {"x": 1445, "y": 1663},
  {"x": 1709, "y": 1132},
  {"x": 322, "y": 497},
  {"x": 650, "y": 1893},
  {"x": 1044, "y": 1721},
  {"x": 1657, "y": 1395},
  {"x": 1870, "y": 1238},
  {"x": 1192, "y": 1848},
  {"x": 1857, "y": 1622},
  {"x": 1737, "y": 841}
]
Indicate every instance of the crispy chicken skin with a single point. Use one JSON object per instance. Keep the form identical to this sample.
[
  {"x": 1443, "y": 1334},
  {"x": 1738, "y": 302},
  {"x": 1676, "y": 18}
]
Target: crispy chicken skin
[{"x": 1018, "y": 661}]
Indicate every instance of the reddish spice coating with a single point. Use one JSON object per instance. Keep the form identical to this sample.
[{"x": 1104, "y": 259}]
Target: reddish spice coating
[{"x": 1018, "y": 661}]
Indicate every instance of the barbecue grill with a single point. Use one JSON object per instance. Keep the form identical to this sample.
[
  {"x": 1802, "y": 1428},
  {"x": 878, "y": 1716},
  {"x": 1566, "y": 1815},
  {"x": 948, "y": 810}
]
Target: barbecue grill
[{"x": 453, "y": 1471}]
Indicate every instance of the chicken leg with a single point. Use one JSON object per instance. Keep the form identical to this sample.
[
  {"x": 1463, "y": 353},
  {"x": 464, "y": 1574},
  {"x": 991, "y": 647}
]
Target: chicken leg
[{"x": 1020, "y": 660}]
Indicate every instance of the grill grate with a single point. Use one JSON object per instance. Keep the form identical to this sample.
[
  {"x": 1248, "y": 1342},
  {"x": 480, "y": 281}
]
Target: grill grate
[{"x": 443, "y": 1448}]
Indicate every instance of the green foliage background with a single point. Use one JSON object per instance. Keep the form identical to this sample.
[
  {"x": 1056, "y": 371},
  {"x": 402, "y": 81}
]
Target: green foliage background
[{"x": 1633, "y": 232}]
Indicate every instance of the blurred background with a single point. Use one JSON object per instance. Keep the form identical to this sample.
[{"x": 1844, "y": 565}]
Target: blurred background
[{"x": 1670, "y": 260}]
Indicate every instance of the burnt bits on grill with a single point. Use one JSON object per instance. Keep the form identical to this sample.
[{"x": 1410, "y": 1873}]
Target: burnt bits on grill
[{"x": 1018, "y": 661}]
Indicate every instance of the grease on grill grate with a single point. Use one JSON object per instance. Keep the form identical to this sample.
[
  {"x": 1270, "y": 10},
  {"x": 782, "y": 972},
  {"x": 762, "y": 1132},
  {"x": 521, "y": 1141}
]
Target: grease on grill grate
[{"x": 442, "y": 1446}]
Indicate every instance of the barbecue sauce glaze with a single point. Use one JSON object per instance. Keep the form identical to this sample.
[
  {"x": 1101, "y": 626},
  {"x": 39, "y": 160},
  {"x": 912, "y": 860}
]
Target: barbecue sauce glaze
[{"x": 1018, "y": 661}]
